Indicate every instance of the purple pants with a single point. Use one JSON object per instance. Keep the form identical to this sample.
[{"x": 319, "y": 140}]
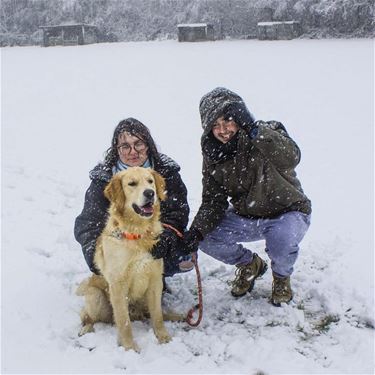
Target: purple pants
[{"x": 282, "y": 235}]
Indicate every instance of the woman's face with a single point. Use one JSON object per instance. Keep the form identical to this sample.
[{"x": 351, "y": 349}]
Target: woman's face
[
  {"x": 224, "y": 130},
  {"x": 131, "y": 150}
]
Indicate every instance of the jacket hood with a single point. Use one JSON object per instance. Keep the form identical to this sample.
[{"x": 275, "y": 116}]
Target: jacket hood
[{"x": 212, "y": 106}]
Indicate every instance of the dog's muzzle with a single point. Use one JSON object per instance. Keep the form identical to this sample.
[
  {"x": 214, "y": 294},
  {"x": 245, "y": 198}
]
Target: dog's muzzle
[{"x": 147, "y": 209}]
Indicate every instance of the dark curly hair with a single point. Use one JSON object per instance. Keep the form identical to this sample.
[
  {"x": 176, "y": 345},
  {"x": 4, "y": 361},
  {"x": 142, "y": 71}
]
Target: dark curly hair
[{"x": 136, "y": 129}]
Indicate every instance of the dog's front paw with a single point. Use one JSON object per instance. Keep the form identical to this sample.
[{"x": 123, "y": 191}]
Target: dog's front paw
[
  {"x": 134, "y": 347},
  {"x": 163, "y": 337},
  {"x": 130, "y": 345}
]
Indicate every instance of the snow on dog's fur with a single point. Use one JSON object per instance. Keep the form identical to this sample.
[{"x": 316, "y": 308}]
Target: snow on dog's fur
[{"x": 132, "y": 278}]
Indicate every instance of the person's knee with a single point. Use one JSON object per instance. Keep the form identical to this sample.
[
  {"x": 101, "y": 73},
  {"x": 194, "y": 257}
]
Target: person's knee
[
  {"x": 285, "y": 235},
  {"x": 282, "y": 249},
  {"x": 292, "y": 227}
]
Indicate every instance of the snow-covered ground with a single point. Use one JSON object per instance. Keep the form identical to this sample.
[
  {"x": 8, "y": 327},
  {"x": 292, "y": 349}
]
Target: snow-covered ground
[{"x": 59, "y": 108}]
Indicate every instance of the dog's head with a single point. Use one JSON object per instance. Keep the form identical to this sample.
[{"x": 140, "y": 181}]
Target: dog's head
[{"x": 136, "y": 189}]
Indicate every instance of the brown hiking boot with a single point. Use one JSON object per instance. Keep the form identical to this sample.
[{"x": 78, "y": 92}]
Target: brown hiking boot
[
  {"x": 246, "y": 276},
  {"x": 281, "y": 290}
]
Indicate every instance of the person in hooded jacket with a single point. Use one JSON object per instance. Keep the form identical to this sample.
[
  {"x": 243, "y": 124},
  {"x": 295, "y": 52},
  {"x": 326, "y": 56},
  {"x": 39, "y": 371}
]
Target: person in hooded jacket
[
  {"x": 252, "y": 163},
  {"x": 133, "y": 146}
]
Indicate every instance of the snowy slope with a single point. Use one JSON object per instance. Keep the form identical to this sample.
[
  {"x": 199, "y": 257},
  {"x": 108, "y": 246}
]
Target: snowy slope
[{"x": 59, "y": 108}]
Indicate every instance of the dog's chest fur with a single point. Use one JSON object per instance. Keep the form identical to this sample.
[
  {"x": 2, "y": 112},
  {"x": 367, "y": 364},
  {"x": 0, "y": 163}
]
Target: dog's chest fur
[{"x": 128, "y": 261}]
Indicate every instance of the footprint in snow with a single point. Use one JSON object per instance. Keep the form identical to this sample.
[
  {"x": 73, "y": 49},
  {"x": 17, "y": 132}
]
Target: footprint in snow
[{"x": 40, "y": 251}]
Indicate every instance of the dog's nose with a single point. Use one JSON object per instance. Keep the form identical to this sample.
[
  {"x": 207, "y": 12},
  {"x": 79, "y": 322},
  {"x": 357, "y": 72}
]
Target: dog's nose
[{"x": 149, "y": 194}]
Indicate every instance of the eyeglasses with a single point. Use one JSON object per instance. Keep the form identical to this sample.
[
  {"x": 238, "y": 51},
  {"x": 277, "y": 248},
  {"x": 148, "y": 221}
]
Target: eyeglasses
[{"x": 126, "y": 148}]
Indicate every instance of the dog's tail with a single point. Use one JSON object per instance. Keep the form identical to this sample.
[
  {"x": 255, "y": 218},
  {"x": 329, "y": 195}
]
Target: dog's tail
[{"x": 173, "y": 317}]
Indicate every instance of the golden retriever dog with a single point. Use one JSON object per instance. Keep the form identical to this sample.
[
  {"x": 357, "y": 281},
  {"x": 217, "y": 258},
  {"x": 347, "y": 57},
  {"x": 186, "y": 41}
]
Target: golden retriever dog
[{"x": 131, "y": 278}]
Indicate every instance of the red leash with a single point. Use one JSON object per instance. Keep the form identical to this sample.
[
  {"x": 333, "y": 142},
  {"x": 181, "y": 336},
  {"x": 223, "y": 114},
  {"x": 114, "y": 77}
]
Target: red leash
[{"x": 199, "y": 306}]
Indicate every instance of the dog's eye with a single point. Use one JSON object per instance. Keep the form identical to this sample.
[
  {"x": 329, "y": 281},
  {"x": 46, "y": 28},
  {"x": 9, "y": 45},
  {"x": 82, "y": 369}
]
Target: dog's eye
[
  {"x": 150, "y": 181},
  {"x": 132, "y": 183}
]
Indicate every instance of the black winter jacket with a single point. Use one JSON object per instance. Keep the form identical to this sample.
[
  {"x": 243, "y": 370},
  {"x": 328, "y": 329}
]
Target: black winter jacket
[
  {"x": 91, "y": 222},
  {"x": 260, "y": 179}
]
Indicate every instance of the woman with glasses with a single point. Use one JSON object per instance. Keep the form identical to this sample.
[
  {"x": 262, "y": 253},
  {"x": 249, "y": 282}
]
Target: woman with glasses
[{"x": 133, "y": 146}]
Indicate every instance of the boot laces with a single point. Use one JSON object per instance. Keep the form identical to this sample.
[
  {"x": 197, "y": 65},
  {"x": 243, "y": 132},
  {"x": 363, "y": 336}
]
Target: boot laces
[
  {"x": 281, "y": 286},
  {"x": 243, "y": 275}
]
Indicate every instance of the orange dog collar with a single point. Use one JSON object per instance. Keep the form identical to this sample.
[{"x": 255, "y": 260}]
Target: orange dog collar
[
  {"x": 125, "y": 235},
  {"x": 131, "y": 236}
]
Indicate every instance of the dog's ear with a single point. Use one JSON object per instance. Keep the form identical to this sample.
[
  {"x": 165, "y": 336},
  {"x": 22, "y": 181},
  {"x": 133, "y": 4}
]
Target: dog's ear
[
  {"x": 160, "y": 185},
  {"x": 115, "y": 193}
]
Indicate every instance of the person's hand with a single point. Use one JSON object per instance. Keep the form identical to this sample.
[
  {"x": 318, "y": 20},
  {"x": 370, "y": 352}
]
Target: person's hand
[
  {"x": 166, "y": 242},
  {"x": 191, "y": 241},
  {"x": 239, "y": 113}
]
